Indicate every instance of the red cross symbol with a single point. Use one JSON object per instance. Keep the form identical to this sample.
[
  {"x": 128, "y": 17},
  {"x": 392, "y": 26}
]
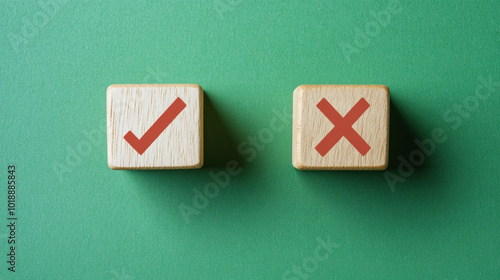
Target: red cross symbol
[{"x": 343, "y": 127}]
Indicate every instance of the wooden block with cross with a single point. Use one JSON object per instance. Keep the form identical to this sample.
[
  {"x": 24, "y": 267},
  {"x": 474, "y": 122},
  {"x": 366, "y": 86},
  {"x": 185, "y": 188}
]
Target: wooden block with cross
[{"x": 340, "y": 127}]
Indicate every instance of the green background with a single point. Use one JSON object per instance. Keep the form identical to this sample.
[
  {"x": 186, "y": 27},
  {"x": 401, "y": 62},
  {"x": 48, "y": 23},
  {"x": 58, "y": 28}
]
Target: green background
[{"x": 90, "y": 222}]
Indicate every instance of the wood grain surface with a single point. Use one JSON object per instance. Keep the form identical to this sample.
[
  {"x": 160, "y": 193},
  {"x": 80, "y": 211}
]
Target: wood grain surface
[
  {"x": 136, "y": 108},
  {"x": 310, "y": 126}
]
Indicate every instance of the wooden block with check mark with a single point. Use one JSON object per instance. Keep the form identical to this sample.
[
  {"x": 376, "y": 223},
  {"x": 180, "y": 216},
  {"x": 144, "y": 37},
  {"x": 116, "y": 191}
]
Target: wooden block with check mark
[
  {"x": 340, "y": 127},
  {"x": 155, "y": 126}
]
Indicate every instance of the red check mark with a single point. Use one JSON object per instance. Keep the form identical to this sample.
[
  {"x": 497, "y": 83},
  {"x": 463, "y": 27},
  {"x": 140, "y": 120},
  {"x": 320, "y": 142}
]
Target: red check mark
[{"x": 141, "y": 145}]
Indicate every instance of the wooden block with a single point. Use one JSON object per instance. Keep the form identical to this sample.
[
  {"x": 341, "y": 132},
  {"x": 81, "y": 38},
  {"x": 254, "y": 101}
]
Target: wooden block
[
  {"x": 155, "y": 126},
  {"x": 340, "y": 127}
]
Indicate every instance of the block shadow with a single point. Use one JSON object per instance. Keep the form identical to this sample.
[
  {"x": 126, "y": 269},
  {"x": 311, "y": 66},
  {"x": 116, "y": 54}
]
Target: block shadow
[
  {"x": 219, "y": 144},
  {"x": 401, "y": 140}
]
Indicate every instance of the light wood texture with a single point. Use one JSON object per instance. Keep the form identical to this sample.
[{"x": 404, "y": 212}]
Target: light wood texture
[
  {"x": 136, "y": 108},
  {"x": 310, "y": 126}
]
